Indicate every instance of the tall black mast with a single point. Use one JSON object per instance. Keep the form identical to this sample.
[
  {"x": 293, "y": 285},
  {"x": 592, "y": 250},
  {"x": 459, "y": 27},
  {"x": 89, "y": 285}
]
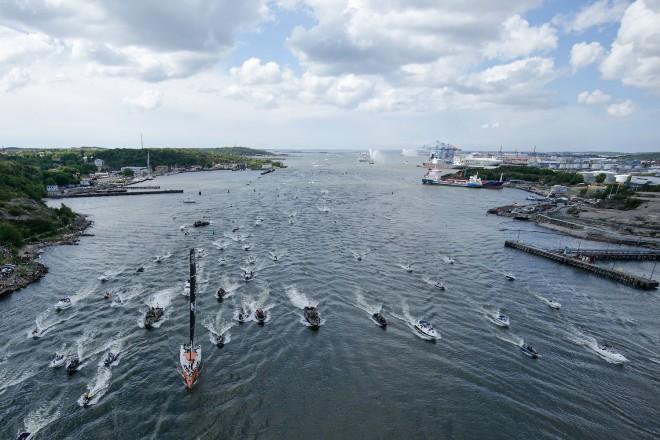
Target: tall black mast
[{"x": 193, "y": 281}]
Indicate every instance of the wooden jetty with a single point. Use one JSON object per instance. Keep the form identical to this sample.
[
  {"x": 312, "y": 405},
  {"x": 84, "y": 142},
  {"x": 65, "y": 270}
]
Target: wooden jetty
[
  {"x": 615, "y": 275},
  {"x": 611, "y": 254}
]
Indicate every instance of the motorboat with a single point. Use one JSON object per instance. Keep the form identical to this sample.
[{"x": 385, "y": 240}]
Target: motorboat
[
  {"x": 235, "y": 229},
  {"x": 251, "y": 259},
  {"x": 220, "y": 294},
  {"x": 379, "y": 318},
  {"x": 58, "y": 360},
  {"x": 107, "y": 295},
  {"x": 110, "y": 358},
  {"x": 439, "y": 285},
  {"x": 312, "y": 316},
  {"x": 104, "y": 278},
  {"x": 140, "y": 269},
  {"x": 190, "y": 355},
  {"x": 553, "y": 304},
  {"x": 222, "y": 261},
  {"x": 158, "y": 259},
  {"x": 248, "y": 276},
  {"x": 607, "y": 351},
  {"x": 219, "y": 340},
  {"x": 246, "y": 247},
  {"x": 63, "y": 303},
  {"x": 258, "y": 222},
  {"x": 242, "y": 316},
  {"x": 529, "y": 351},
  {"x": 425, "y": 328},
  {"x": 87, "y": 398},
  {"x": 260, "y": 315},
  {"x": 117, "y": 301},
  {"x": 186, "y": 288},
  {"x": 24, "y": 436},
  {"x": 189, "y": 201},
  {"x": 450, "y": 260},
  {"x": 408, "y": 268},
  {"x": 200, "y": 223},
  {"x": 509, "y": 276},
  {"x": 35, "y": 333},
  {"x": 501, "y": 320},
  {"x": 72, "y": 365},
  {"x": 152, "y": 316}
]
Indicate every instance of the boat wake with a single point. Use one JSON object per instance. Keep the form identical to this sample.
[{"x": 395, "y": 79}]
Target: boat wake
[
  {"x": 359, "y": 256},
  {"x": 97, "y": 387},
  {"x": 603, "y": 350},
  {"x": 371, "y": 308},
  {"x": 162, "y": 299},
  {"x": 407, "y": 318},
  {"x": 218, "y": 327},
  {"x": 39, "y": 418},
  {"x": 510, "y": 338},
  {"x": 221, "y": 245},
  {"x": 550, "y": 303},
  {"x": 299, "y": 299}
]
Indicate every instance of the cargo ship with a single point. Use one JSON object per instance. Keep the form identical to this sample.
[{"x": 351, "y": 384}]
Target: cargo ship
[{"x": 433, "y": 177}]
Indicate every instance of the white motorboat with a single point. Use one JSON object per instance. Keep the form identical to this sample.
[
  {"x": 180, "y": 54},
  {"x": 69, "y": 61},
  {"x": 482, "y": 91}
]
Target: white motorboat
[
  {"x": 607, "y": 352},
  {"x": 58, "y": 360},
  {"x": 501, "y": 320},
  {"x": 553, "y": 304},
  {"x": 63, "y": 303},
  {"x": 509, "y": 276},
  {"x": 439, "y": 285},
  {"x": 425, "y": 328}
]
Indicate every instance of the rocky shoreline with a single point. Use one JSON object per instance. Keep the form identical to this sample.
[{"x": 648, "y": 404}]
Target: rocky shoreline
[{"x": 28, "y": 269}]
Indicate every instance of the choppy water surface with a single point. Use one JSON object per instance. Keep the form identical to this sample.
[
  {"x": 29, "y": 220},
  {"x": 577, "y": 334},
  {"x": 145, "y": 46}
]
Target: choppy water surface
[{"x": 339, "y": 235}]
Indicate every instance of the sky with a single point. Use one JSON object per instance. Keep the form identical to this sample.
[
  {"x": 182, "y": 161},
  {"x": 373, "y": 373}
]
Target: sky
[{"x": 331, "y": 74}]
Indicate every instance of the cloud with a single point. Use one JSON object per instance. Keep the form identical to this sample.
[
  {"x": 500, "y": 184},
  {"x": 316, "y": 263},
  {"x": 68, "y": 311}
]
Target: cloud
[
  {"x": 147, "y": 100},
  {"x": 598, "y": 13},
  {"x": 593, "y": 98},
  {"x": 252, "y": 71},
  {"x": 585, "y": 54},
  {"x": 490, "y": 125},
  {"x": 518, "y": 38},
  {"x": 634, "y": 58},
  {"x": 621, "y": 109},
  {"x": 14, "y": 79}
]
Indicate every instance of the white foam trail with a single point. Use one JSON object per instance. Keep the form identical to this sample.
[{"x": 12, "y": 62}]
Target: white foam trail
[
  {"x": 299, "y": 299},
  {"x": 323, "y": 209},
  {"x": 584, "y": 340},
  {"x": 39, "y": 418},
  {"x": 510, "y": 338},
  {"x": 98, "y": 386},
  {"x": 363, "y": 304},
  {"x": 547, "y": 301},
  {"x": 221, "y": 245}
]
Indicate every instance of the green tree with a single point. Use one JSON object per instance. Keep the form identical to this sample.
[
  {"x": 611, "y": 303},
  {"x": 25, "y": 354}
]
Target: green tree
[
  {"x": 127, "y": 172},
  {"x": 600, "y": 178},
  {"x": 10, "y": 234}
]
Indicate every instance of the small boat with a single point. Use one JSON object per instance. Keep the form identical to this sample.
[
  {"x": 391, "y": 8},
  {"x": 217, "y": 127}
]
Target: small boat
[
  {"x": 140, "y": 269},
  {"x": 408, "y": 268},
  {"x": 275, "y": 257},
  {"x": 501, "y": 320},
  {"x": 379, "y": 318},
  {"x": 72, "y": 365},
  {"x": 222, "y": 261},
  {"x": 246, "y": 247},
  {"x": 24, "y": 436},
  {"x": 152, "y": 316},
  {"x": 63, "y": 303},
  {"x": 87, "y": 398},
  {"x": 200, "y": 223},
  {"x": 251, "y": 259},
  {"x": 553, "y": 304},
  {"x": 118, "y": 301},
  {"x": 190, "y": 355},
  {"x": 425, "y": 328},
  {"x": 509, "y": 276},
  {"x": 260, "y": 315},
  {"x": 219, "y": 340},
  {"x": 450, "y": 260},
  {"x": 439, "y": 285},
  {"x": 104, "y": 278},
  {"x": 312, "y": 316},
  {"x": 607, "y": 352},
  {"x": 186, "y": 288},
  {"x": 248, "y": 276},
  {"x": 235, "y": 229},
  {"x": 107, "y": 295},
  {"x": 242, "y": 316},
  {"x": 110, "y": 358},
  {"x": 258, "y": 222},
  {"x": 58, "y": 360},
  {"x": 158, "y": 259},
  {"x": 529, "y": 351},
  {"x": 35, "y": 333},
  {"x": 189, "y": 201},
  {"x": 220, "y": 294}
]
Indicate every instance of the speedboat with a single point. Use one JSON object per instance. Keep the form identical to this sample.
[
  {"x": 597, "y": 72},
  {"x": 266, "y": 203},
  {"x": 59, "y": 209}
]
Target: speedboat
[
  {"x": 200, "y": 223},
  {"x": 87, "y": 397},
  {"x": 117, "y": 301},
  {"x": 235, "y": 229},
  {"x": 246, "y": 247},
  {"x": 257, "y": 222},
  {"x": 103, "y": 278},
  {"x": 219, "y": 340},
  {"x": 440, "y": 285},
  {"x": 72, "y": 365},
  {"x": 140, "y": 269},
  {"x": 35, "y": 333},
  {"x": 425, "y": 328},
  {"x": 275, "y": 257},
  {"x": 501, "y": 320},
  {"x": 251, "y": 259},
  {"x": 110, "y": 357},
  {"x": 553, "y": 304},
  {"x": 158, "y": 259},
  {"x": 379, "y": 318},
  {"x": 248, "y": 276},
  {"x": 222, "y": 261},
  {"x": 260, "y": 315},
  {"x": 607, "y": 351},
  {"x": 63, "y": 303},
  {"x": 408, "y": 268},
  {"x": 107, "y": 295},
  {"x": 220, "y": 294},
  {"x": 186, "y": 288},
  {"x": 450, "y": 260},
  {"x": 529, "y": 351},
  {"x": 58, "y": 360},
  {"x": 152, "y": 316},
  {"x": 509, "y": 276},
  {"x": 312, "y": 316},
  {"x": 242, "y": 315}
]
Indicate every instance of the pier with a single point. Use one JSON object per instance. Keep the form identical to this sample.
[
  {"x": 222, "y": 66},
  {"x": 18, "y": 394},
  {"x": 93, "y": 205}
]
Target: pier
[
  {"x": 611, "y": 254},
  {"x": 116, "y": 193},
  {"x": 615, "y": 275}
]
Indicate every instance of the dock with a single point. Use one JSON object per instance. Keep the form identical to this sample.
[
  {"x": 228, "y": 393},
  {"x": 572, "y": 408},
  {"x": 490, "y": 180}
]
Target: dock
[
  {"x": 615, "y": 275},
  {"x": 116, "y": 193},
  {"x": 611, "y": 254}
]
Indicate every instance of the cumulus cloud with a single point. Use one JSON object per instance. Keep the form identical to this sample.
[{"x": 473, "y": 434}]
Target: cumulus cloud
[
  {"x": 585, "y": 54},
  {"x": 15, "y": 78},
  {"x": 593, "y": 98},
  {"x": 518, "y": 38},
  {"x": 635, "y": 54},
  {"x": 598, "y": 13},
  {"x": 252, "y": 71},
  {"x": 621, "y": 109},
  {"x": 147, "y": 100}
]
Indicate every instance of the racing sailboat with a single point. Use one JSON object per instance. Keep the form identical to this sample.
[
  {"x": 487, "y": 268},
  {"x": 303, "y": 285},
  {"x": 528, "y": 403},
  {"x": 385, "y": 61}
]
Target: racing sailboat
[{"x": 190, "y": 355}]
